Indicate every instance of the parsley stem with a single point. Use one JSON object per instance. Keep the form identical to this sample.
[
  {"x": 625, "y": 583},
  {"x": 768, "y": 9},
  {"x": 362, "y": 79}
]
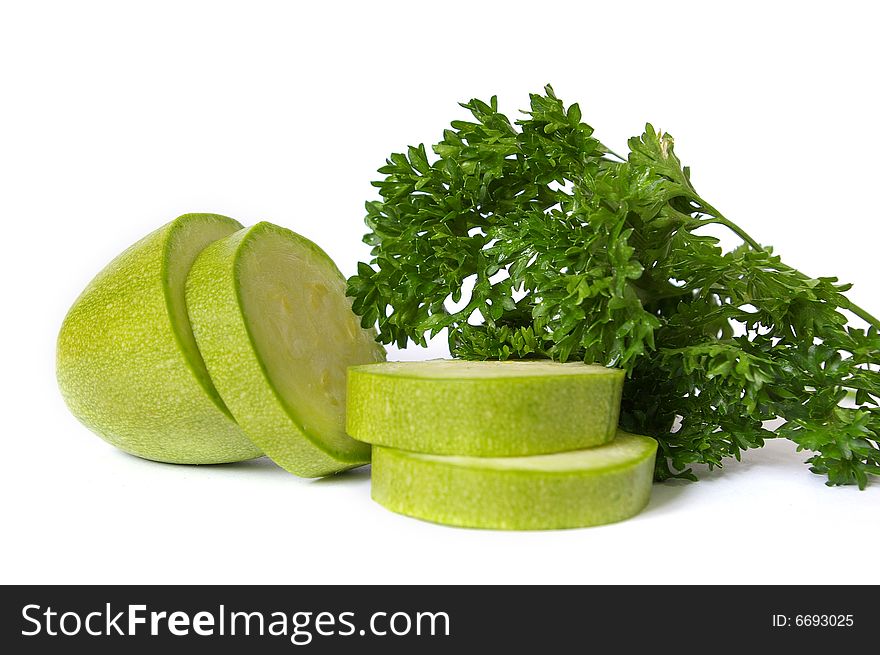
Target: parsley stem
[
  {"x": 718, "y": 219},
  {"x": 742, "y": 234},
  {"x": 864, "y": 315}
]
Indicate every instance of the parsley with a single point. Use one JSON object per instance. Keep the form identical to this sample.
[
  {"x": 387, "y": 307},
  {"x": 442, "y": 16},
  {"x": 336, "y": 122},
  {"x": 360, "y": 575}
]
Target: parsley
[{"x": 574, "y": 252}]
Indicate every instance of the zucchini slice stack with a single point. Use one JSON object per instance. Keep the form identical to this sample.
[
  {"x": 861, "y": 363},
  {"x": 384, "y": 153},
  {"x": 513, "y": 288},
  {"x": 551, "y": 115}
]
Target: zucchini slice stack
[{"x": 516, "y": 445}]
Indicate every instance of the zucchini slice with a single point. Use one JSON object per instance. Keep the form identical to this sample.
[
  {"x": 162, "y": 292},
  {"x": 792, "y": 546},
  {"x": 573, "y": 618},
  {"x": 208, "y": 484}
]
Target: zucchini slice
[
  {"x": 276, "y": 330},
  {"x": 484, "y": 409},
  {"x": 563, "y": 490}
]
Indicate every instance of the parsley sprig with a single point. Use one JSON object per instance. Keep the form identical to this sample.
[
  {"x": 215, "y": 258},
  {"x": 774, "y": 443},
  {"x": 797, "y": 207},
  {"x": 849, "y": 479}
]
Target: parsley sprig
[{"x": 532, "y": 239}]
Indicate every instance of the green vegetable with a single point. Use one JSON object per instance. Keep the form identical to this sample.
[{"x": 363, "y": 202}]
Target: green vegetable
[
  {"x": 271, "y": 319},
  {"x": 575, "y": 253},
  {"x": 562, "y": 490},
  {"x": 450, "y": 407},
  {"x": 128, "y": 365}
]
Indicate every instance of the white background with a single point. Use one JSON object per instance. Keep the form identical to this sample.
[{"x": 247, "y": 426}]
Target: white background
[{"x": 116, "y": 117}]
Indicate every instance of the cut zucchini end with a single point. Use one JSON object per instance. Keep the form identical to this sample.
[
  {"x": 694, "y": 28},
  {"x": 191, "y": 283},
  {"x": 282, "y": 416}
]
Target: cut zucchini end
[{"x": 127, "y": 364}]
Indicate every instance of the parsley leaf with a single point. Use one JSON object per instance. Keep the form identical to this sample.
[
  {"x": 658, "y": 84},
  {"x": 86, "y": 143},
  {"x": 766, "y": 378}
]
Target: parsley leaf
[{"x": 529, "y": 238}]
